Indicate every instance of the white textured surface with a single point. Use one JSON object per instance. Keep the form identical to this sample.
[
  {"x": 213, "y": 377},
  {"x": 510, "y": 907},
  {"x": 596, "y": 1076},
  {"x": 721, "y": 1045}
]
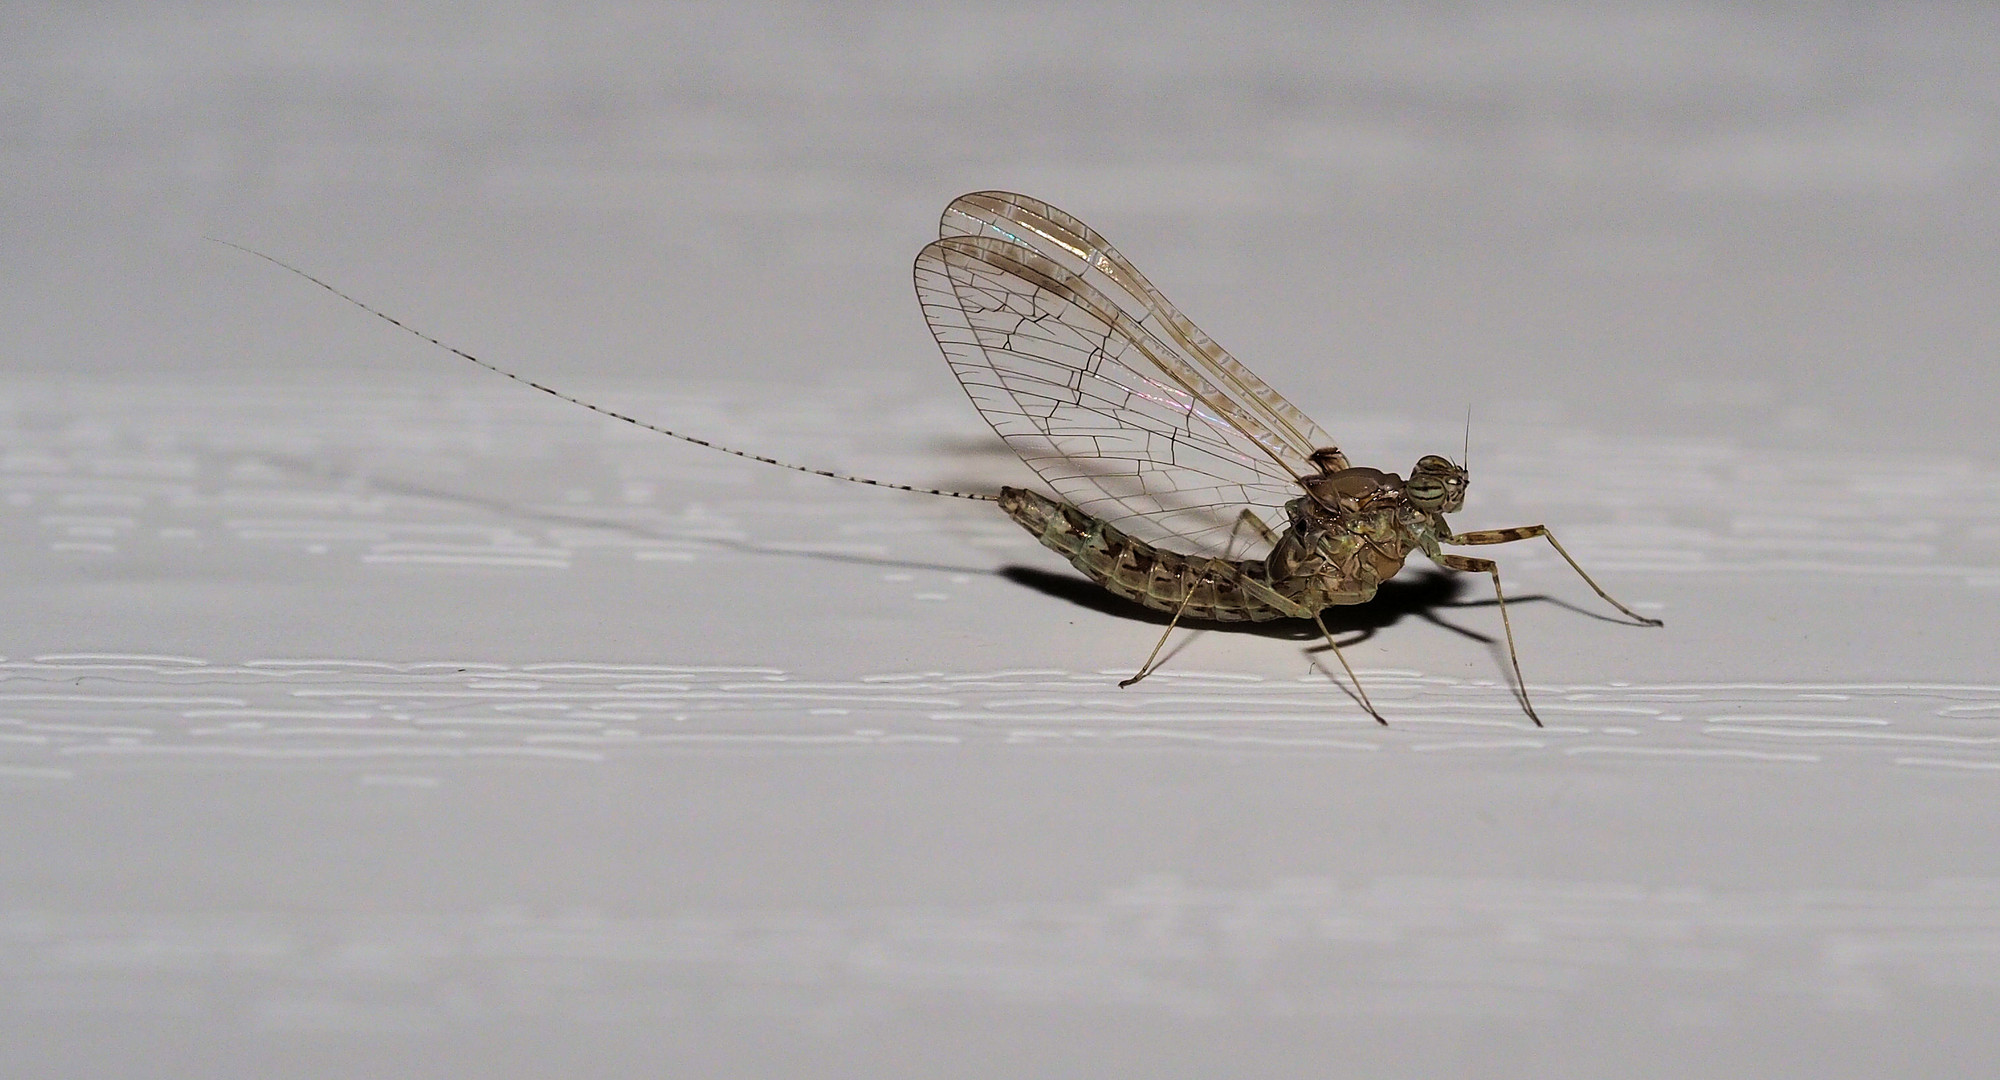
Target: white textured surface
[
  {"x": 362, "y": 713},
  {"x": 417, "y": 724}
]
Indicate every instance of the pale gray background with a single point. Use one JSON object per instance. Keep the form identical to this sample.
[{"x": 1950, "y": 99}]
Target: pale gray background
[
  {"x": 1691, "y": 209},
  {"x": 290, "y": 787}
]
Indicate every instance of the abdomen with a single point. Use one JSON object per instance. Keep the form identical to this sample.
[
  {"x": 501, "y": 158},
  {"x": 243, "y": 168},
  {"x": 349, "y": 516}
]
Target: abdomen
[{"x": 1225, "y": 590}]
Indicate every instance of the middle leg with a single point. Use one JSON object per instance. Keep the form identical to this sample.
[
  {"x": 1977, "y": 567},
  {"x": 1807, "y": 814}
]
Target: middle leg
[
  {"x": 1345, "y": 666},
  {"x": 1488, "y": 566}
]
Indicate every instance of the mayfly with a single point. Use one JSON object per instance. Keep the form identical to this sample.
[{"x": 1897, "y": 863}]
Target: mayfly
[{"x": 1164, "y": 450}]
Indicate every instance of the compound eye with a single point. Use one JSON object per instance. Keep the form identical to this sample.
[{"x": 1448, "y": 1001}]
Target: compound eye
[
  {"x": 1426, "y": 492},
  {"x": 1431, "y": 463}
]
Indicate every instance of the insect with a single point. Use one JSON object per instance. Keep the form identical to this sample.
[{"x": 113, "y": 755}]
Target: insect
[{"x": 1164, "y": 450}]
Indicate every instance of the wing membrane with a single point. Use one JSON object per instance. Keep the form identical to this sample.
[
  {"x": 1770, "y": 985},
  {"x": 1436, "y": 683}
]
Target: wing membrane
[
  {"x": 1194, "y": 360},
  {"x": 1112, "y": 416}
]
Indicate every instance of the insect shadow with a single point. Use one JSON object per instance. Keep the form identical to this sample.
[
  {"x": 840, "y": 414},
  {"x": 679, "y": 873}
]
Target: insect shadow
[
  {"x": 1421, "y": 595},
  {"x": 1411, "y": 595}
]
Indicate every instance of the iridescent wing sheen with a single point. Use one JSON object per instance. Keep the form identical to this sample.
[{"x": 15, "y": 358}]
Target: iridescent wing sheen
[{"x": 1117, "y": 418}]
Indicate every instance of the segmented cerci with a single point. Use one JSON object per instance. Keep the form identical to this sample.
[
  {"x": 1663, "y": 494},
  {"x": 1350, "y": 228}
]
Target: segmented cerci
[{"x": 1169, "y": 457}]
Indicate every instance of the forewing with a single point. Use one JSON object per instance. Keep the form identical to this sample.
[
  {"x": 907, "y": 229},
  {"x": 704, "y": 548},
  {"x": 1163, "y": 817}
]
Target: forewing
[
  {"x": 1192, "y": 358},
  {"x": 1085, "y": 395}
]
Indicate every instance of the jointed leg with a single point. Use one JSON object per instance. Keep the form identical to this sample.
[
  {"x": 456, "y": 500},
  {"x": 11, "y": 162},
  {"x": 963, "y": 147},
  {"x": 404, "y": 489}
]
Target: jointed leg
[
  {"x": 1351, "y": 677},
  {"x": 1488, "y": 566},
  {"x": 1255, "y": 522},
  {"x": 1527, "y": 532},
  {"x": 1263, "y": 530},
  {"x": 1146, "y": 668}
]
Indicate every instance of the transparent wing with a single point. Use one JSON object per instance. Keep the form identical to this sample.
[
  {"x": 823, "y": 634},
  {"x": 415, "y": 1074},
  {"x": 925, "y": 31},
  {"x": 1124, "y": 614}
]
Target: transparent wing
[
  {"x": 1192, "y": 358},
  {"x": 1090, "y": 398}
]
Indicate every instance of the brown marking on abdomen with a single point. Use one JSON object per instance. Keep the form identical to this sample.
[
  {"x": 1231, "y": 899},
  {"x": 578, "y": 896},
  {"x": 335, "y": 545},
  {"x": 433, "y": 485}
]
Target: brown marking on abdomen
[{"x": 1129, "y": 567}]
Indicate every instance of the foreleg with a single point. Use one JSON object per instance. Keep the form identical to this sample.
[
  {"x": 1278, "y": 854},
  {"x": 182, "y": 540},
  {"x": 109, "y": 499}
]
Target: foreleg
[{"x": 1529, "y": 532}]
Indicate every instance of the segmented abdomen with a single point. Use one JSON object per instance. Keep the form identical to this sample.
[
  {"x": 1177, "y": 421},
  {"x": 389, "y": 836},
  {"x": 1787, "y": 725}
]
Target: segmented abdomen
[{"x": 1140, "y": 572}]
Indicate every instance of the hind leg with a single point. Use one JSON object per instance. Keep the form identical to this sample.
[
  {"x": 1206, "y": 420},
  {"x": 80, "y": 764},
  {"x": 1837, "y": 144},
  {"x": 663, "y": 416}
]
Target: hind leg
[
  {"x": 1247, "y": 517},
  {"x": 1146, "y": 668},
  {"x": 1488, "y": 566}
]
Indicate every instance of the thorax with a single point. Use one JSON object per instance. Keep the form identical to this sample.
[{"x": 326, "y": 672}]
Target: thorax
[{"x": 1349, "y": 546}]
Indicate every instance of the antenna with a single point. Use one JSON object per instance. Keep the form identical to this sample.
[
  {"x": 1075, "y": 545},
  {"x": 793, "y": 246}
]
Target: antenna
[
  {"x": 552, "y": 392},
  {"x": 1465, "y": 451}
]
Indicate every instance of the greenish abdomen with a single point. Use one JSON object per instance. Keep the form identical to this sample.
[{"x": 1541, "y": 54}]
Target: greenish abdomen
[{"x": 1223, "y": 590}]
